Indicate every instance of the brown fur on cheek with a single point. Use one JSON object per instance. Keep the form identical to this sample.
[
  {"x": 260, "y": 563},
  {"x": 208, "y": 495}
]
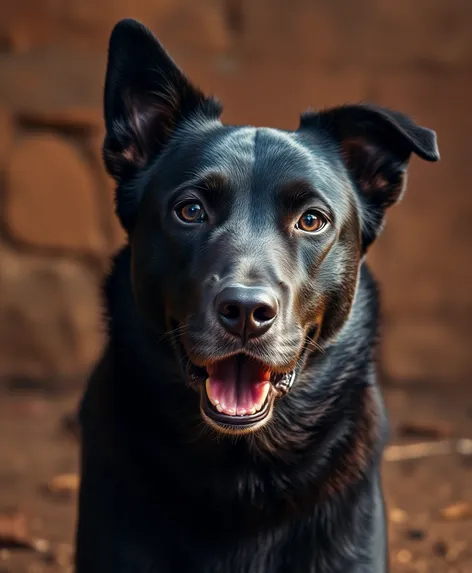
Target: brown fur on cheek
[{"x": 340, "y": 298}]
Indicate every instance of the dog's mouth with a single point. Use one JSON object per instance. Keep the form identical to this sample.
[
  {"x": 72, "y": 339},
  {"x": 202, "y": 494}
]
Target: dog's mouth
[{"x": 237, "y": 393}]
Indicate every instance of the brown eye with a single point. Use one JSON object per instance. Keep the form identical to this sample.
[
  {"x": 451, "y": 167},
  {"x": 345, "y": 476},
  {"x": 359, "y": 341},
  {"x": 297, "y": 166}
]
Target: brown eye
[
  {"x": 312, "y": 222},
  {"x": 191, "y": 213}
]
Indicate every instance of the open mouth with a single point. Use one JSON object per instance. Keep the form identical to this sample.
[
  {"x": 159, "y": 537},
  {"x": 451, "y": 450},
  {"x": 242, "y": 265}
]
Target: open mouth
[{"x": 237, "y": 393}]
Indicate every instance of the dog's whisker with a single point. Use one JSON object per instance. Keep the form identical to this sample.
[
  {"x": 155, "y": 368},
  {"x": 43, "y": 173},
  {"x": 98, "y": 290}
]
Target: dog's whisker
[{"x": 313, "y": 345}]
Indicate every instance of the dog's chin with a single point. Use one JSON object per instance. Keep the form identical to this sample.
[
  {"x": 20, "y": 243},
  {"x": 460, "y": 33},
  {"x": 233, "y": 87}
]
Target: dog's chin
[{"x": 237, "y": 391}]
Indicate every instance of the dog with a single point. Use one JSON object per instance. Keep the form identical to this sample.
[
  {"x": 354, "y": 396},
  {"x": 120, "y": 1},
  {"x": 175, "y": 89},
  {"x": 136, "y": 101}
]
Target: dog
[{"x": 233, "y": 423}]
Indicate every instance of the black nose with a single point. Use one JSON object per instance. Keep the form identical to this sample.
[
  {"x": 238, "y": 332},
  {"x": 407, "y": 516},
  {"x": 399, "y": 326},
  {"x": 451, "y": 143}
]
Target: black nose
[{"x": 246, "y": 311}]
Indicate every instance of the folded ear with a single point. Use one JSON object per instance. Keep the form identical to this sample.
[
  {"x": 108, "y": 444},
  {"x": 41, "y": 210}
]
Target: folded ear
[
  {"x": 375, "y": 145},
  {"x": 146, "y": 97}
]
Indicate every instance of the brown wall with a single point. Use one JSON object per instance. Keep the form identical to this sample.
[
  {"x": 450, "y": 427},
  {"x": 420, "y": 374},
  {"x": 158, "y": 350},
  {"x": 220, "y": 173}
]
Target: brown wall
[{"x": 267, "y": 60}]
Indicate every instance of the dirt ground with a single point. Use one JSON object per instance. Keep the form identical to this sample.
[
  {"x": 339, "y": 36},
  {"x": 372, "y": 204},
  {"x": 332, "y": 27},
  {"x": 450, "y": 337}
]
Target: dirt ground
[{"x": 36, "y": 446}]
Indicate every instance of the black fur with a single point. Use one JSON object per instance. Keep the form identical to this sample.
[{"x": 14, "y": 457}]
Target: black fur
[{"x": 161, "y": 490}]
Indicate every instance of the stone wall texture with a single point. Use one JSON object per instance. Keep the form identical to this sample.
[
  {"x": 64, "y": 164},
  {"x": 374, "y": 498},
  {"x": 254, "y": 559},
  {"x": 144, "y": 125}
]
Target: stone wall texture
[{"x": 267, "y": 60}]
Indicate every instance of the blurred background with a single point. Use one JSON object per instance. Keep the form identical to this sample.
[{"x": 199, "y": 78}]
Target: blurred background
[{"x": 268, "y": 60}]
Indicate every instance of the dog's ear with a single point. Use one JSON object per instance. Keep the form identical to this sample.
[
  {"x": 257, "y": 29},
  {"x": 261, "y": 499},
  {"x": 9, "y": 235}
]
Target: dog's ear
[
  {"x": 146, "y": 97},
  {"x": 375, "y": 145}
]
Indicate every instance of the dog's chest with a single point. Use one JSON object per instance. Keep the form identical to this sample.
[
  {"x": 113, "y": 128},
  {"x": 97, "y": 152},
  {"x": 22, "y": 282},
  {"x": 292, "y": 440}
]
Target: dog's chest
[{"x": 294, "y": 550}]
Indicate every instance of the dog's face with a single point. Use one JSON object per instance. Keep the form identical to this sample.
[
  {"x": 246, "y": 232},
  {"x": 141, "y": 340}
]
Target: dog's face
[{"x": 245, "y": 242}]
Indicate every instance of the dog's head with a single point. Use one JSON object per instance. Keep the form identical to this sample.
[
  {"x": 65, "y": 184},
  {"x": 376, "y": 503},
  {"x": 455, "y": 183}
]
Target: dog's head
[{"x": 246, "y": 243}]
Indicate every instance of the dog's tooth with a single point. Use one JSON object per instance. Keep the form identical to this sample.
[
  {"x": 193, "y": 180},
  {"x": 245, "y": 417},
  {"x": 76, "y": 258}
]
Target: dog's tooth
[
  {"x": 251, "y": 410},
  {"x": 241, "y": 411},
  {"x": 263, "y": 398},
  {"x": 219, "y": 408},
  {"x": 231, "y": 411},
  {"x": 209, "y": 394}
]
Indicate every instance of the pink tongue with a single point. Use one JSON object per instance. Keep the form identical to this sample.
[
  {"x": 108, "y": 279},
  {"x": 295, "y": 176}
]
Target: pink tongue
[{"x": 237, "y": 385}]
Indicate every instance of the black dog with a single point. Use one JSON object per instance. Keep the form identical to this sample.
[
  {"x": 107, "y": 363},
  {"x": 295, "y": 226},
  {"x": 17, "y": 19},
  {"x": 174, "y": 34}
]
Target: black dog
[{"x": 233, "y": 424}]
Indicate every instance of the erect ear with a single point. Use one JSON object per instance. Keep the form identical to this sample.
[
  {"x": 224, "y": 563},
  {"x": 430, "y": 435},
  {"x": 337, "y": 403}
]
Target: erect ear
[
  {"x": 375, "y": 144},
  {"x": 146, "y": 97}
]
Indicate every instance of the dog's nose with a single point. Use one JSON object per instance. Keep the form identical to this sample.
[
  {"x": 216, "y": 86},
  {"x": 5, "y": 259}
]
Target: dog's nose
[{"x": 246, "y": 311}]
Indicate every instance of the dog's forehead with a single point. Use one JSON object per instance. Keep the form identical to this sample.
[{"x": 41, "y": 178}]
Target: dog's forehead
[
  {"x": 268, "y": 158},
  {"x": 255, "y": 161},
  {"x": 261, "y": 149}
]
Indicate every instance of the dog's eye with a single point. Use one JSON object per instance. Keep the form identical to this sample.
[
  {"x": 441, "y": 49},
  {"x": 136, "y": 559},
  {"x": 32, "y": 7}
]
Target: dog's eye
[
  {"x": 312, "y": 222},
  {"x": 191, "y": 213}
]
